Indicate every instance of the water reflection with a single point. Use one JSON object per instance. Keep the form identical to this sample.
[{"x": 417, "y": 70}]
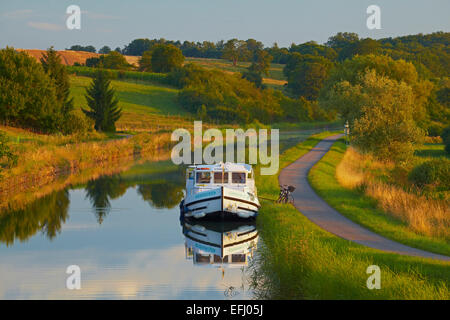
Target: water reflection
[
  {"x": 123, "y": 230},
  {"x": 220, "y": 244},
  {"x": 46, "y": 215},
  {"x": 161, "y": 187},
  {"x": 101, "y": 191}
]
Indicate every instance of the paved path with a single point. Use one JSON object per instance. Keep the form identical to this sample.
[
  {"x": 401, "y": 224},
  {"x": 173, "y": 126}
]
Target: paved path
[{"x": 319, "y": 212}]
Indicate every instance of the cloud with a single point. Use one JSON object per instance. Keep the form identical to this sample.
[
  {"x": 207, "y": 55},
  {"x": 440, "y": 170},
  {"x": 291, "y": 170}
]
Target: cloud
[
  {"x": 45, "y": 26},
  {"x": 18, "y": 14},
  {"x": 99, "y": 16}
]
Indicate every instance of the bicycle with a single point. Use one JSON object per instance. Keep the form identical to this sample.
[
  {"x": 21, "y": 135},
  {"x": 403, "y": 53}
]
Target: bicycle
[{"x": 285, "y": 195}]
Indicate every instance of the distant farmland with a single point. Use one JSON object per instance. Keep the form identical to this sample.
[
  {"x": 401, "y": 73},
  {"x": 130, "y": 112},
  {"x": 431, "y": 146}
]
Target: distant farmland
[{"x": 69, "y": 57}]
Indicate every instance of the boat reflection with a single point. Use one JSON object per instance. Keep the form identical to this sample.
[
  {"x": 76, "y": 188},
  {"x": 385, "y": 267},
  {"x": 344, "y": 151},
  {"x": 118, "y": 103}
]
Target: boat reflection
[{"x": 220, "y": 244}]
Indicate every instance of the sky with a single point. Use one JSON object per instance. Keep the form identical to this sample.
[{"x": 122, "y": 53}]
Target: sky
[{"x": 41, "y": 24}]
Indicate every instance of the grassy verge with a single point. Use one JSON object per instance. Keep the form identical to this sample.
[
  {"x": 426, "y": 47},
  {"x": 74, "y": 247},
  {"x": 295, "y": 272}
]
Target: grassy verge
[
  {"x": 40, "y": 165},
  {"x": 298, "y": 260},
  {"x": 363, "y": 209}
]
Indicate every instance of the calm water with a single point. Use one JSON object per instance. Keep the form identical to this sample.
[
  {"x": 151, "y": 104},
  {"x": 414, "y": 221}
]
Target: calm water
[{"x": 124, "y": 233}]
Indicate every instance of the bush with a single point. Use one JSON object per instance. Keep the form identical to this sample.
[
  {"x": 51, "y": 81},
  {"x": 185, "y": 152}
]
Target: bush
[
  {"x": 435, "y": 172},
  {"x": 78, "y": 124}
]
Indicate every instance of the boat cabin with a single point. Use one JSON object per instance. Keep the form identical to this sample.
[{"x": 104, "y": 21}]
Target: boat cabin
[{"x": 234, "y": 175}]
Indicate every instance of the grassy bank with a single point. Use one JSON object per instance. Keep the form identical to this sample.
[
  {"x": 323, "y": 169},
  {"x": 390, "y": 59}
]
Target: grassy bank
[
  {"x": 298, "y": 260},
  {"x": 386, "y": 209},
  {"x": 40, "y": 164}
]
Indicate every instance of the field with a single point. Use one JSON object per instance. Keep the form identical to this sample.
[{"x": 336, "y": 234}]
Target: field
[
  {"x": 275, "y": 79},
  {"x": 299, "y": 260},
  {"x": 69, "y": 57},
  {"x": 146, "y": 107}
]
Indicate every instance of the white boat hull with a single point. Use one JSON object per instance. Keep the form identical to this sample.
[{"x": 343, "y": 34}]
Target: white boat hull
[{"x": 221, "y": 202}]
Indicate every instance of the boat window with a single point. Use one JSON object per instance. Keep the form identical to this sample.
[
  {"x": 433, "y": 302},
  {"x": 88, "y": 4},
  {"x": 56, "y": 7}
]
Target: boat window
[
  {"x": 220, "y": 177},
  {"x": 200, "y": 258},
  {"x": 250, "y": 175},
  {"x": 238, "y": 177},
  {"x": 203, "y": 177},
  {"x": 238, "y": 257},
  {"x": 191, "y": 175}
]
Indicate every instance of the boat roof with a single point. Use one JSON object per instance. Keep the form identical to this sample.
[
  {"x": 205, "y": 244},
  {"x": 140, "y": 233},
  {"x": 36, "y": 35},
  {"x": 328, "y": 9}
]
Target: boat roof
[{"x": 227, "y": 166}]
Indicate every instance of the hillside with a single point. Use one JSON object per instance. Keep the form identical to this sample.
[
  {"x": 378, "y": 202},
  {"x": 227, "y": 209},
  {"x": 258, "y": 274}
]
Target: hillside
[{"x": 69, "y": 57}]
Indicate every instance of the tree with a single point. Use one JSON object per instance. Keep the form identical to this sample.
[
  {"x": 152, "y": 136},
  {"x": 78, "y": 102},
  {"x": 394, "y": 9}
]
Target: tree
[
  {"x": 51, "y": 62},
  {"x": 315, "y": 49},
  {"x": 261, "y": 62},
  {"x": 27, "y": 94},
  {"x": 102, "y": 103},
  {"x": 104, "y": 50},
  {"x": 346, "y": 77},
  {"x": 166, "y": 57},
  {"x": 82, "y": 48},
  {"x": 145, "y": 63},
  {"x": 254, "y": 76},
  {"x": 236, "y": 50},
  {"x": 254, "y": 47},
  {"x": 114, "y": 60},
  {"x": 259, "y": 66},
  {"x": 386, "y": 125},
  {"x": 137, "y": 47},
  {"x": 306, "y": 74}
]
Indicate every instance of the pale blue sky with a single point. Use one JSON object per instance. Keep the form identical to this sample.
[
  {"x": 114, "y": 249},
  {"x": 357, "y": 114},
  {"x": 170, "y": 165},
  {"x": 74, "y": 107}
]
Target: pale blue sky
[{"x": 40, "y": 24}]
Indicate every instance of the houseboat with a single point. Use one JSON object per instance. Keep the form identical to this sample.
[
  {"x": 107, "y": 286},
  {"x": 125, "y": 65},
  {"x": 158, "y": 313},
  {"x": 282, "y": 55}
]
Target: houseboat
[{"x": 223, "y": 190}]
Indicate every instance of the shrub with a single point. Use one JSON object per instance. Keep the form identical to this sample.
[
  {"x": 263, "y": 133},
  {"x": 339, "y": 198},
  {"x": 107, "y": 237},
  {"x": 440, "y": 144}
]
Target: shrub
[
  {"x": 78, "y": 124},
  {"x": 434, "y": 172}
]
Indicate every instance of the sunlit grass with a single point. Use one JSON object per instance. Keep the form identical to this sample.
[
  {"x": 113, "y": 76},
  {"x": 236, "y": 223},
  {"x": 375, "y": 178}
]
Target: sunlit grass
[
  {"x": 299, "y": 260},
  {"x": 348, "y": 182}
]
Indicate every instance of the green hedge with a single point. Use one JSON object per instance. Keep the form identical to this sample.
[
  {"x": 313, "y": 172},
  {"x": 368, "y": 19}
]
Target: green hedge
[{"x": 120, "y": 74}]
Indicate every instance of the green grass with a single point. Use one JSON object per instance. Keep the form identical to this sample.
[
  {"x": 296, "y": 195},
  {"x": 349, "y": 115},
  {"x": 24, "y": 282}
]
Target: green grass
[
  {"x": 145, "y": 106},
  {"x": 431, "y": 150},
  {"x": 134, "y": 97},
  {"x": 299, "y": 260},
  {"x": 363, "y": 209}
]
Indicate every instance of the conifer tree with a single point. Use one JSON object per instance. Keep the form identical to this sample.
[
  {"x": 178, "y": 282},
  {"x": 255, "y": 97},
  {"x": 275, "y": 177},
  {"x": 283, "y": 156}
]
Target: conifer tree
[
  {"x": 102, "y": 103},
  {"x": 51, "y": 62}
]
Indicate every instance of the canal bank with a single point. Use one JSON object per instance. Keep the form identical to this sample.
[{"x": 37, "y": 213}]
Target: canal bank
[{"x": 299, "y": 260}]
